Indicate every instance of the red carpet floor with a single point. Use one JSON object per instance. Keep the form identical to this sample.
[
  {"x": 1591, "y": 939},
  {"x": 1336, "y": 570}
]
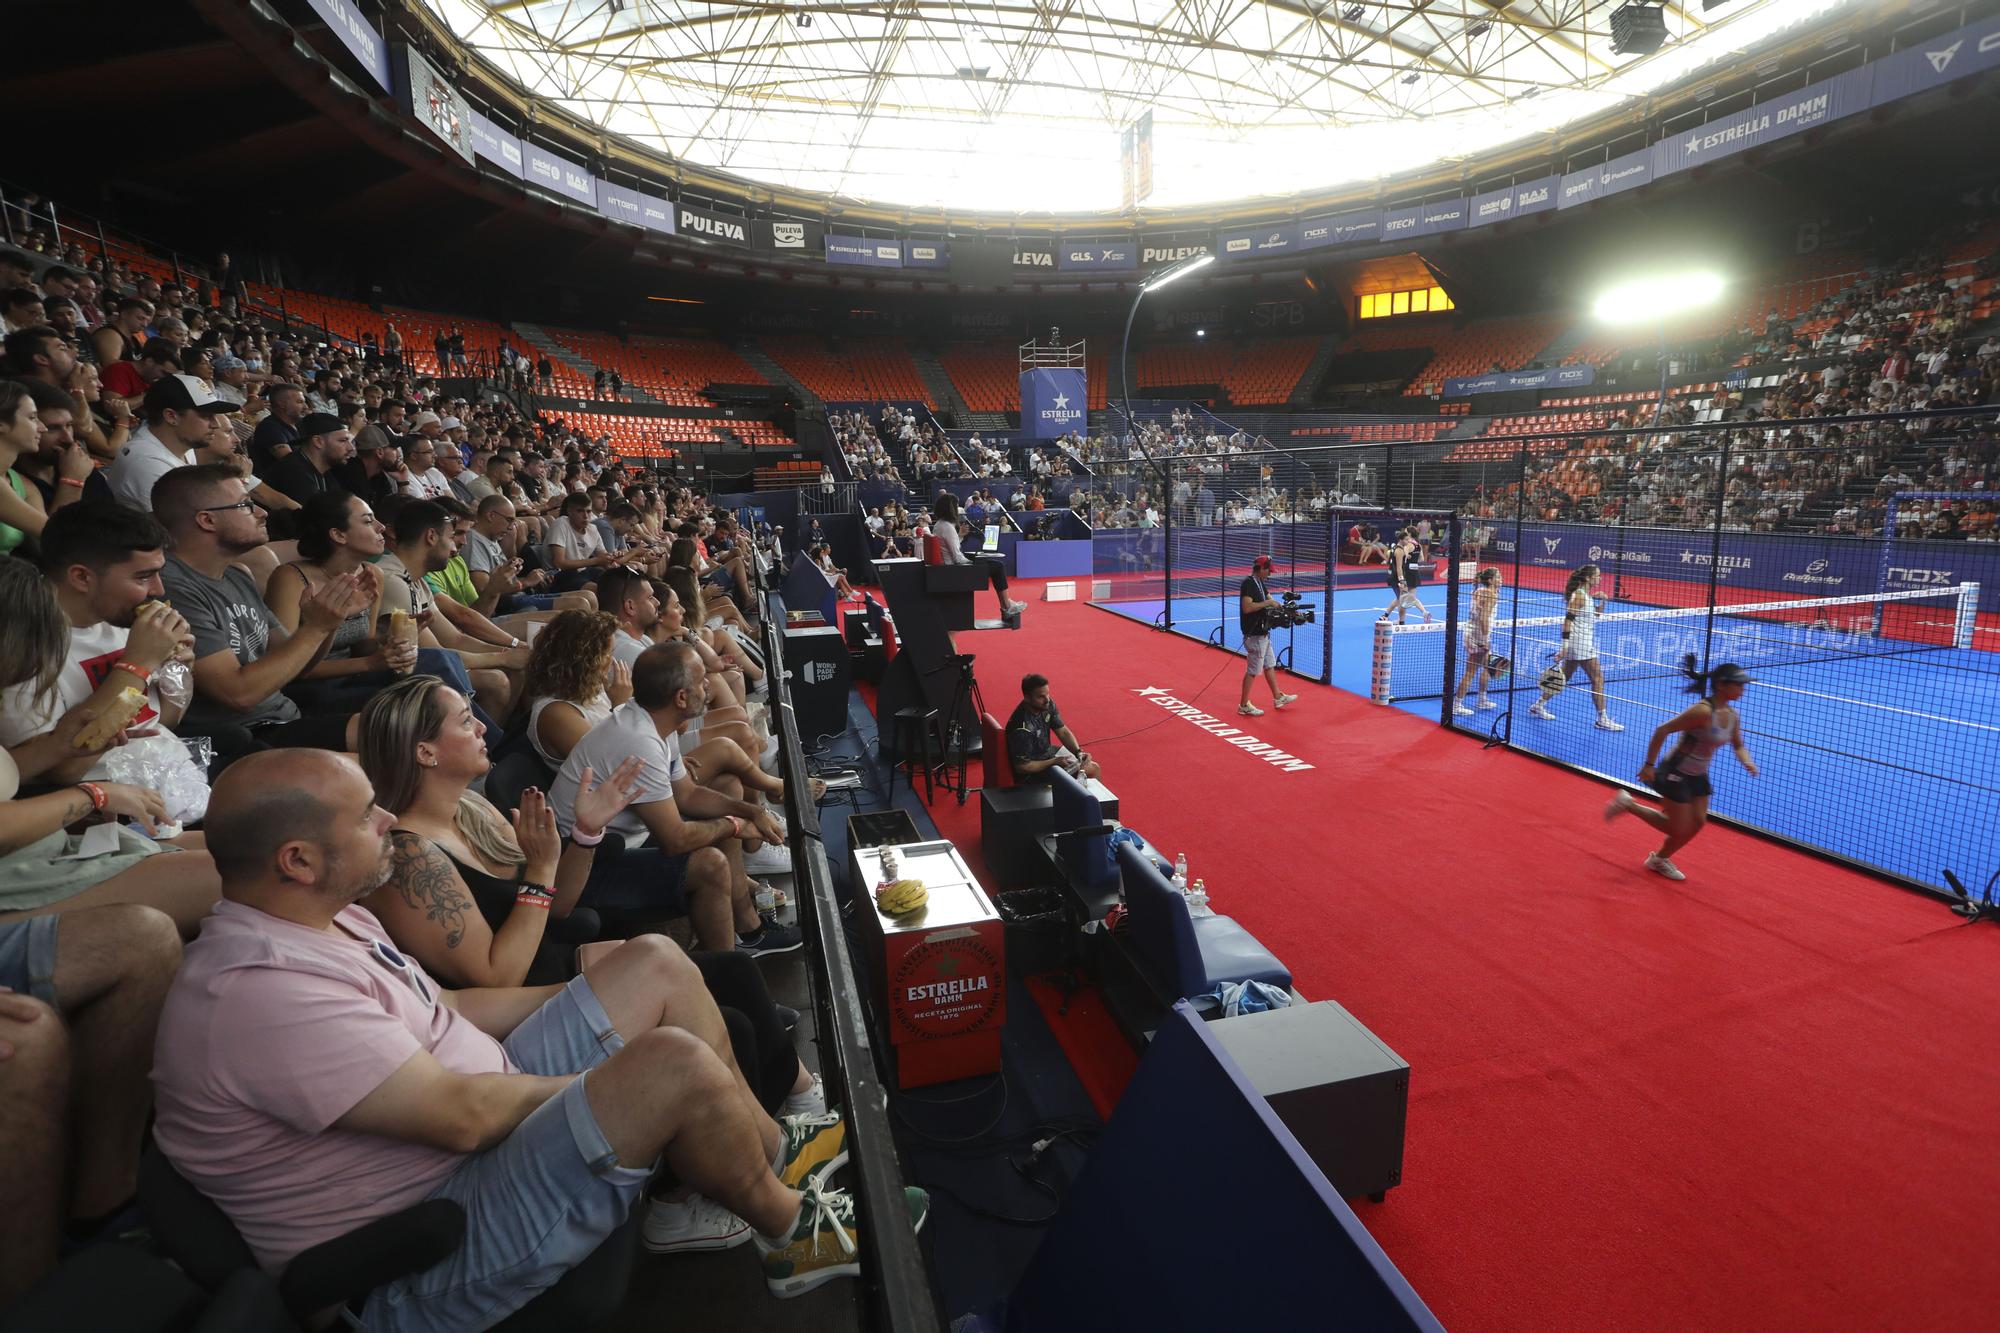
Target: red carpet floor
[{"x": 1762, "y": 1099}]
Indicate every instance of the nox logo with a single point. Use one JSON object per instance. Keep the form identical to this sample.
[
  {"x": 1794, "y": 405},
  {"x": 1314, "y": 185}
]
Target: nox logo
[
  {"x": 1927, "y": 577},
  {"x": 1034, "y": 259}
]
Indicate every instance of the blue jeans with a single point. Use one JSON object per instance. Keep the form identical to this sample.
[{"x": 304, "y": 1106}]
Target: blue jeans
[
  {"x": 28, "y": 957},
  {"x": 537, "y": 1203}
]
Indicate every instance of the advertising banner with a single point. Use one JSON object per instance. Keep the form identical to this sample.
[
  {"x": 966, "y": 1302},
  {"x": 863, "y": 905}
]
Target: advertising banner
[
  {"x": 1155, "y": 251},
  {"x": 1445, "y": 215},
  {"x": 1034, "y": 256},
  {"x": 1097, "y": 255},
  {"x": 718, "y": 227},
  {"x": 1352, "y": 228},
  {"x": 926, "y": 252},
  {"x": 1628, "y": 172},
  {"x": 1053, "y": 402},
  {"x": 1257, "y": 242},
  {"x": 1500, "y": 381},
  {"x": 1401, "y": 224},
  {"x": 863, "y": 251},
  {"x": 435, "y": 104},
  {"x": 1812, "y": 106},
  {"x": 558, "y": 174},
  {"x": 655, "y": 213},
  {"x": 358, "y": 35},
  {"x": 1928, "y": 64},
  {"x": 620, "y": 204},
  {"x": 1513, "y": 201},
  {"x": 789, "y": 236},
  {"x": 497, "y": 146}
]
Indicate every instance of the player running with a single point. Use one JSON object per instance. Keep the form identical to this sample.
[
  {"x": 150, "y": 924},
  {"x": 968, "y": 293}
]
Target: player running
[{"x": 1682, "y": 780}]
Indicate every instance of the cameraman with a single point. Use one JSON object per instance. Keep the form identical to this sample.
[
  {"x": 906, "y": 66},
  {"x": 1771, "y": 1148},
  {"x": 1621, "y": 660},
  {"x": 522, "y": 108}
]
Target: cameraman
[
  {"x": 1254, "y": 601},
  {"x": 1038, "y": 739}
]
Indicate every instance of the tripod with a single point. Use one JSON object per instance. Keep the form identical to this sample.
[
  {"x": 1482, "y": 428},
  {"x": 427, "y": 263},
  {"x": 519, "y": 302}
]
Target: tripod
[{"x": 966, "y": 700}]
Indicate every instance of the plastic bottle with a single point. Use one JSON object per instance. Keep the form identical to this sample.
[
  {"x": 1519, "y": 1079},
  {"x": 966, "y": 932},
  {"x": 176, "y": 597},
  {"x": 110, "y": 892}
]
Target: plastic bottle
[
  {"x": 1180, "y": 872},
  {"x": 1198, "y": 900}
]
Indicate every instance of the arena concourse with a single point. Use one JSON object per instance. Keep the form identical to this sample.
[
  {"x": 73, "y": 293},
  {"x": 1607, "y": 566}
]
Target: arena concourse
[{"x": 813, "y": 668}]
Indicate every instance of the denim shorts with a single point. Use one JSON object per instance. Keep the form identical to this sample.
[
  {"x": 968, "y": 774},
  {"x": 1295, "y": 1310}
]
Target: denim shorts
[
  {"x": 28, "y": 957},
  {"x": 539, "y": 1202}
]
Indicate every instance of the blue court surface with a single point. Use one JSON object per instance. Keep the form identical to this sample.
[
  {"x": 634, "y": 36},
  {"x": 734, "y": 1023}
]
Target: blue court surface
[{"x": 1890, "y": 759}]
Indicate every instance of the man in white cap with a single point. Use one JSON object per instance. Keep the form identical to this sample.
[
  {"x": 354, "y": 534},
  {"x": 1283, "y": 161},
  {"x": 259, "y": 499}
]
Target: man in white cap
[{"x": 178, "y": 411}]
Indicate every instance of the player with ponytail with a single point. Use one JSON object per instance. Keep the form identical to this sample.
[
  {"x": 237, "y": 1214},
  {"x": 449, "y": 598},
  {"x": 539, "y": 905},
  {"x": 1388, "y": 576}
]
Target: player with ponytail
[{"x": 1682, "y": 780}]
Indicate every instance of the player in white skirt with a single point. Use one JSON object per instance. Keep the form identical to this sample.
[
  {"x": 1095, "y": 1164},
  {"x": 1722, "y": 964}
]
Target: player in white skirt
[
  {"x": 1579, "y": 649},
  {"x": 1479, "y": 659}
]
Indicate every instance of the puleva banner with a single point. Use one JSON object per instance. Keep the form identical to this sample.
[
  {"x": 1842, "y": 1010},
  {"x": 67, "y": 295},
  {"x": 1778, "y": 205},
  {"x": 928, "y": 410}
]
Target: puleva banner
[{"x": 1053, "y": 402}]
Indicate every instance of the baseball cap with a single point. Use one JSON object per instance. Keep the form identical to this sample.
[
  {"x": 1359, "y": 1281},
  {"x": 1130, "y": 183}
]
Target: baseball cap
[
  {"x": 184, "y": 393},
  {"x": 425, "y": 419},
  {"x": 449, "y": 423},
  {"x": 223, "y": 363},
  {"x": 318, "y": 423},
  {"x": 1261, "y": 562},
  {"x": 1730, "y": 674}
]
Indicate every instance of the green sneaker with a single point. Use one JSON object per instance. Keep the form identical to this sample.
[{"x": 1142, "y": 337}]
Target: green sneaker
[
  {"x": 814, "y": 1146},
  {"x": 823, "y": 1245}
]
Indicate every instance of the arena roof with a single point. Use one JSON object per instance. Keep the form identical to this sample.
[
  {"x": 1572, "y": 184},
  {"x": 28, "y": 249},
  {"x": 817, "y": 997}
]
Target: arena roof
[{"x": 1020, "y": 107}]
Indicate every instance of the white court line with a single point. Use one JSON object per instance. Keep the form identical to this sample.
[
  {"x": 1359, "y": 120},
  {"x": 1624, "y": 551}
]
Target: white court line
[{"x": 1886, "y": 708}]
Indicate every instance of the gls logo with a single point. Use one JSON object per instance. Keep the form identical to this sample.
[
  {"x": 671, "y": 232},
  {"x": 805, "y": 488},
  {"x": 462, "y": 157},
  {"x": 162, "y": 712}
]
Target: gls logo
[{"x": 1927, "y": 577}]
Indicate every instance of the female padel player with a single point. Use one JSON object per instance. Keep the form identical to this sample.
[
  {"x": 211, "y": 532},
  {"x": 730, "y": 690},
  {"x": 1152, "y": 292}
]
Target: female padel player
[
  {"x": 1404, "y": 577},
  {"x": 1682, "y": 780},
  {"x": 1579, "y": 648},
  {"x": 1479, "y": 659}
]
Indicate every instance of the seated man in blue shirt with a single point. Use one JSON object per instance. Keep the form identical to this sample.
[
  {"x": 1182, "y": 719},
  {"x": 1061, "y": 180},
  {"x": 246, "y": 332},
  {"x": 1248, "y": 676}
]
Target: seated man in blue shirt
[{"x": 1039, "y": 740}]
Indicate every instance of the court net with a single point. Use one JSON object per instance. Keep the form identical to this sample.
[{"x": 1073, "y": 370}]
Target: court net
[{"x": 1418, "y": 661}]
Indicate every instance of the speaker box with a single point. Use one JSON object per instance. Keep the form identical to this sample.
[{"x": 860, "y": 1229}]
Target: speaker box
[{"x": 1638, "y": 29}]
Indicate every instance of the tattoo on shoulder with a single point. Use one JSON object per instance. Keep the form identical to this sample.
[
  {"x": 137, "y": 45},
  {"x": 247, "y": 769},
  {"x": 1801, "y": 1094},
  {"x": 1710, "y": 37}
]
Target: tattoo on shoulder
[{"x": 426, "y": 881}]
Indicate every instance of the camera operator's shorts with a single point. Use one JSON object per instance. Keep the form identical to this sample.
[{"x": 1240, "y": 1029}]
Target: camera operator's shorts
[{"x": 1257, "y": 648}]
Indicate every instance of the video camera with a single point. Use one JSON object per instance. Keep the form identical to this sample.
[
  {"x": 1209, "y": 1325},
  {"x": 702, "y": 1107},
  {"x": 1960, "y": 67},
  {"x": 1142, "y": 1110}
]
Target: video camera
[{"x": 1291, "y": 613}]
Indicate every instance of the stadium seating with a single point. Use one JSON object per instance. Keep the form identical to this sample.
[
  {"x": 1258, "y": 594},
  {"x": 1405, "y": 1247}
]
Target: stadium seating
[{"x": 860, "y": 370}]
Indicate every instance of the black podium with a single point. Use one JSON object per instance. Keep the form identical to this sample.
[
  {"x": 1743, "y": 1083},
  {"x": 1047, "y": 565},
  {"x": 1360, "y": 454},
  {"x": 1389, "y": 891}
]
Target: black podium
[{"x": 928, "y": 670}]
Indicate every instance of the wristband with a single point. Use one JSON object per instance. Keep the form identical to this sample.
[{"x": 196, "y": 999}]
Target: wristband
[
  {"x": 579, "y": 838},
  {"x": 528, "y": 898},
  {"x": 735, "y": 822},
  {"x": 96, "y": 794},
  {"x": 70, "y": 481},
  {"x": 144, "y": 674}
]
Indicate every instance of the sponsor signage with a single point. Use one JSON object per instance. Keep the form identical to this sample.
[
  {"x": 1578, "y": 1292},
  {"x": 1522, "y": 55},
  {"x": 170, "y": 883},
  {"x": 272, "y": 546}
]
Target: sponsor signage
[
  {"x": 619, "y": 204},
  {"x": 1558, "y": 377},
  {"x": 718, "y": 227},
  {"x": 1513, "y": 201},
  {"x": 1098, "y": 256},
  {"x": 655, "y": 213},
  {"x": 1157, "y": 250},
  {"x": 789, "y": 236},
  {"x": 1400, "y": 224},
  {"x": 863, "y": 251},
  {"x": 926, "y": 252},
  {"x": 1767, "y": 122},
  {"x": 1446, "y": 215},
  {"x": 497, "y": 146},
  {"x": 1614, "y": 177},
  {"x": 1256, "y": 242},
  {"x": 1353, "y": 228},
  {"x": 1035, "y": 256},
  {"x": 1054, "y": 402},
  {"x": 1221, "y": 730},
  {"x": 1929, "y": 64},
  {"x": 358, "y": 35},
  {"x": 436, "y": 105},
  {"x": 557, "y": 174}
]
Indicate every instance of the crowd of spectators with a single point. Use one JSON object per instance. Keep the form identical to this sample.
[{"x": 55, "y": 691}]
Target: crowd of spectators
[
  {"x": 229, "y": 560},
  {"x": 861, "y": 447}
]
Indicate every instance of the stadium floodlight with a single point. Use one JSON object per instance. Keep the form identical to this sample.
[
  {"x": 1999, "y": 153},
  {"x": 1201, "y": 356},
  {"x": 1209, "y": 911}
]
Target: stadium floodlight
[
  {"x": 1657, "y": 299},
  {"x": 1174, "y": 273}
]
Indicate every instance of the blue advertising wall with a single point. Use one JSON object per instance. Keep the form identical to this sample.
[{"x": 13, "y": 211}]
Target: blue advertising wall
[{"x": 1053, "y": 402}]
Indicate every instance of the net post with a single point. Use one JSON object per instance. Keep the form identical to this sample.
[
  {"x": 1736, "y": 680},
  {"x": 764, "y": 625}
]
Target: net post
[
  {"x": 1715, "y": 549},
  {"x": 1888, "y": 557},
  {"x": 1326, "y": 601},
  {"x": 1378, "y": 676},
  {"x": 1448, "y": 692},
  {"x": 1966, "y": 623}
]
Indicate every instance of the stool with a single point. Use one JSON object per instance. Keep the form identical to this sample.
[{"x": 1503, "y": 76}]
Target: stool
[{"x": 924, "y": 721}]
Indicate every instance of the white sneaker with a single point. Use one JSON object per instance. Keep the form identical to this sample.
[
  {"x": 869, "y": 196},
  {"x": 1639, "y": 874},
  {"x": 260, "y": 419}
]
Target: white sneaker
[
  {"x": 1605, "y": 722},
  {"x": 1662, "y": 867},
  {"x": 1460, "y": 710},
  {"x": 1013, "y": 608},
  {"x": 1284, "y": 699},
  {"x": 690, "y": 1225},
  {"x": 1486, "y": 705},
  {"x": 1621, "y": 804},
  {"x": 1536, "y": 710},
  {"x": 810, "y": 1102},
  {"x": 1249, "y": 710},
  {"x": 773, "y": 858}
]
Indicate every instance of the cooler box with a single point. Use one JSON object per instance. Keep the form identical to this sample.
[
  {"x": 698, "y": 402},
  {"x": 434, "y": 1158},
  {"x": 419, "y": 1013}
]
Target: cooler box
[{"x": 943, "y": 967}]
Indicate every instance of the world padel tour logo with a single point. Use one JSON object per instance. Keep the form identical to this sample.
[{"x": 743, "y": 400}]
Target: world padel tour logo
[{"x": 1215, "y": 726}]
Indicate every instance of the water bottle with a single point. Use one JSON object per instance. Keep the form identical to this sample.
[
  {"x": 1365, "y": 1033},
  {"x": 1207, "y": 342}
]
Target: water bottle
[
  {"x": 1180, "y": 872},
  {"x": 1198, "y": 900}
]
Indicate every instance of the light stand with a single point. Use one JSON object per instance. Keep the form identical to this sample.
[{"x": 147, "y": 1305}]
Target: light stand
[{"x": 1162, "y": 278}]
